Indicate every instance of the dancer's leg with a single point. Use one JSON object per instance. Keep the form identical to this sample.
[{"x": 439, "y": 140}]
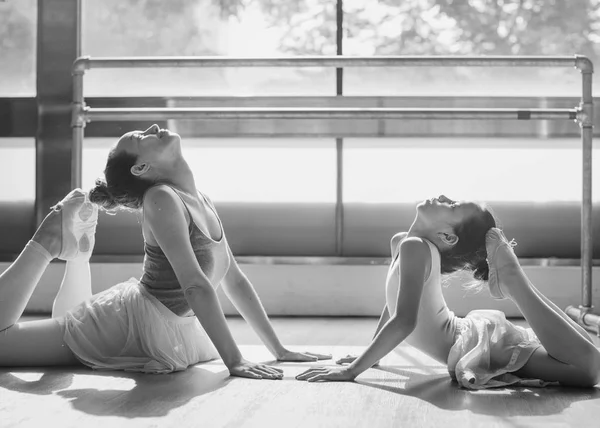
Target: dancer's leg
[
  {"x": 20, "y": 279},
  {"x": 35, "y": 344},
  {"x": 556, "y": 309},
  {"x": 574, "y": 359},
  {"x": 64, "y": 233},
  {"x": 75, "y": 288},
  {"x": 76, "y": 285}
]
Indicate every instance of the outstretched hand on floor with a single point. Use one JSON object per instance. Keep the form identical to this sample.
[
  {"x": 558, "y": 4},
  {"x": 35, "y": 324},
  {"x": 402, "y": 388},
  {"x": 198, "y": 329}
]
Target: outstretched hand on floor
[
  {"x": 349, "y": 359},
  {"x": 252, "y": 370},
  {"x": 302, "y": 356},
  {"x": 330, "y": 374}
]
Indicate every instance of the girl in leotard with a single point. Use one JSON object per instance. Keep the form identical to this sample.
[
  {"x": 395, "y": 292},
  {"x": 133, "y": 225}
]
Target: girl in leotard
[
  {"x": 483, "y": 349},
  {"x": 171, "y": 317}
]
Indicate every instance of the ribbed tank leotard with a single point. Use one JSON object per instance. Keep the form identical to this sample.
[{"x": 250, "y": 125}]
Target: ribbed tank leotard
[
  {"x": 159, "y": 277},
  {"x": 436, "y": 323}
]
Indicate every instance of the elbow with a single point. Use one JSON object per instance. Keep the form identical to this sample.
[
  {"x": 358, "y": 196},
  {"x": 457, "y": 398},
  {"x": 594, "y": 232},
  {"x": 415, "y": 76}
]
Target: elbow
[
  {"x": 233, "y": 286},
  {"x": 195, "y": 291},
  {"x": 405, "y": 324}
]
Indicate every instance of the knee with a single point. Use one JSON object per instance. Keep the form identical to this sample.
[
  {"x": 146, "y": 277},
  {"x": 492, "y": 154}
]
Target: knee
[
  {"x": 589, "y": 380},
  {"x": 595, "y": 372},
  {"x": 591, "y": 373}
]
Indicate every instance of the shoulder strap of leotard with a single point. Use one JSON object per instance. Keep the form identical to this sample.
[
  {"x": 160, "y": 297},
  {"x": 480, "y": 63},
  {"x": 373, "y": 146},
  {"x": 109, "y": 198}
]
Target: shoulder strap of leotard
[{"x": 191, "y": 223}]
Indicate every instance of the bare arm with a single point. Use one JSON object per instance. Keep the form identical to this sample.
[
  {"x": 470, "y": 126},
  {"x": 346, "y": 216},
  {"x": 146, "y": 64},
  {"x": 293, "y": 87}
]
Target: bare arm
[
  {"x": 415, "y": 258},
  {"x": 416, "y": 262},
  {"x": 243, "y": 296},
  {"x": 385, "y": 314},
  {"x": 165, "y": 214},
  {"x": 395, "y": 243},
  {"x": 383, "y": 319},
  {"x": 394, "y": 249},
  {"x": 240, "y": 291}
]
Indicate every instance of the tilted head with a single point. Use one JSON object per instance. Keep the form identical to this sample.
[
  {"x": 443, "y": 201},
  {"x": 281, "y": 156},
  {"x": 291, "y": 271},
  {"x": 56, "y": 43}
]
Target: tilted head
[
  {"x": 139, "y": 160},
  {"x": 458, "y": 229}
]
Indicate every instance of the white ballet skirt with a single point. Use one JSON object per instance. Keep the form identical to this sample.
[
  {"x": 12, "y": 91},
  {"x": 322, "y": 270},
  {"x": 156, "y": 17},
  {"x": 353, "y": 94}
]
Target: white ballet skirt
[
  {"x": 126, "y": 328},
  {"x": 487, "y": 348}
]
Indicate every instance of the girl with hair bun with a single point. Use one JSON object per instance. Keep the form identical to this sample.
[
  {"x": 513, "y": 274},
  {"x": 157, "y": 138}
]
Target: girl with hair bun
[
  {"x": 483, "y": 349},
  {"x": 171, "y": 317}
]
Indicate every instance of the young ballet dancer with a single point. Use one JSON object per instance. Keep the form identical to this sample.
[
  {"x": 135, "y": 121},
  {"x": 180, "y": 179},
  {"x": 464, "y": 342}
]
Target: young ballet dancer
[
  {"x": 483, "y": 349},
  {"x": 145, "y": 325}
]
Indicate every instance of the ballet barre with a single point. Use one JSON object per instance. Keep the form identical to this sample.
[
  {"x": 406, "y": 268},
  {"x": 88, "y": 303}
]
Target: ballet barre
[
  {"x": 581, "y": 114},
  {"x": 110, "y": 114}
]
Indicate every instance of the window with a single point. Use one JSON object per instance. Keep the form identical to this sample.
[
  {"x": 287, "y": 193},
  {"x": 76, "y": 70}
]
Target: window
[
  {"x": 408, "y": 170},
  {"x": 18, "y": 20},
  {"x": 227, "y": 169},
  {"x": 17, "y": 166},
  {"x": 184, "y": 28},
  {"x": 446, "y": 27},
  {"x": 236, "y": 170},
  {"x": 490, "y": 169}
]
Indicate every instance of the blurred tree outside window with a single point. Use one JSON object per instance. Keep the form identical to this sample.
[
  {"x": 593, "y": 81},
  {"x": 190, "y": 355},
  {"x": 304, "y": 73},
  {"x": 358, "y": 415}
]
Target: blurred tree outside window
[
  {"x": 307, "y": 27},
  {"x": 18, "y": 20},
  {"x": 232, "y": 28},
  {"x": 209, "y": 27},
  {"x": 469, "y": 27}
]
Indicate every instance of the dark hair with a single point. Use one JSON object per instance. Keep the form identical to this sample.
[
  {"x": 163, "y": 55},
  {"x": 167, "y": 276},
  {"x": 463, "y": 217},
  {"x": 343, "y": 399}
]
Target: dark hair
[
  {"x": 469, "y": 253},
  {"x": 120, "y": 188}
]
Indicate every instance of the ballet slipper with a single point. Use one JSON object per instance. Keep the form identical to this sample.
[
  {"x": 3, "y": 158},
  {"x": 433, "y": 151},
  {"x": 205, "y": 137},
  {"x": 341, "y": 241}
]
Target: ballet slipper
[
  {"x": 494, "y": 239},
  {"x": 79, "y": 220}
]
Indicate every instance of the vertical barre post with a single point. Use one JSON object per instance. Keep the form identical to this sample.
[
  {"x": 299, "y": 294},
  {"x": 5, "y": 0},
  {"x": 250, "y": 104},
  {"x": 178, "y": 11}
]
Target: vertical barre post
[
  {"x": 77, "y": 125},
  {"x": 339, "y": 197},
  {"x": 77, "y": 157},
  {"x": 339, "y": 142},
  {"x": 78, "y": 102},
  {"x": 586, "y": 203}
]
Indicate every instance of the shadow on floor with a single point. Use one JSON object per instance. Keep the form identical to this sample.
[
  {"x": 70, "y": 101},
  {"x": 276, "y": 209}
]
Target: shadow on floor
[
  {"x": 150, "y": 396},
  {"x": 442, "y": 392},
  {"x": 138, "y": 395}
]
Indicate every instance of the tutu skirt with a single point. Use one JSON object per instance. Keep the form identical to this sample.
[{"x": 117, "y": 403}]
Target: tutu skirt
[
  {"x": 126, "y": 328},
  {"x": 488, "y": 349}
]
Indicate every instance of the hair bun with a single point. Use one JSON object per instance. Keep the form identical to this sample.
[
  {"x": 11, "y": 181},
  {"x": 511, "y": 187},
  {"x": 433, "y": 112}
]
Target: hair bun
[
  {"x": 482, "y": 270},
  {"x": 101, "y": 196}
]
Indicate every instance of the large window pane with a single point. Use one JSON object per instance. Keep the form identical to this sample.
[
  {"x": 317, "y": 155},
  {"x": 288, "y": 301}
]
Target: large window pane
[
  {"x": 235, "y": 170},
  {"x": 448, "y": 27},
  {"x": 489, "y": 170},
  {"x": 211, "y": 27},
  {"x": 18, "y": 20},
  {"x": 17, "y": 169}
]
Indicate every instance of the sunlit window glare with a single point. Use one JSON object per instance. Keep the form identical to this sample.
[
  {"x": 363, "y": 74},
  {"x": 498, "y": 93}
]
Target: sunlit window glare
[
  {"x": 375, "y": 170},
  {"x": 17, "y": 169},
  {"x": 230, "y": 170}
]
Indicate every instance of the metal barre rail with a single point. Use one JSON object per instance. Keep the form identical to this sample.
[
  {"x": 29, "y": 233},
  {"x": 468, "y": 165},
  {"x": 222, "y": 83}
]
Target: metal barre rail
[
  {"x": 583, "y": 114},
  {"x": 577, "y": 61},
  {"x": 107, "y": 114}
]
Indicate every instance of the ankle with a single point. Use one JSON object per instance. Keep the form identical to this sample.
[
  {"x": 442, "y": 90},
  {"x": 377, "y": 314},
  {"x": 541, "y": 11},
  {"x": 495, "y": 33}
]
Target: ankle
[
  {"x": 505, "y": 258},
  {"x": 510, "y": 275},
  {"x": 48, "y": 243},
  {"x": 49, "y": 234},
  {"x": 40, "y": 249}
]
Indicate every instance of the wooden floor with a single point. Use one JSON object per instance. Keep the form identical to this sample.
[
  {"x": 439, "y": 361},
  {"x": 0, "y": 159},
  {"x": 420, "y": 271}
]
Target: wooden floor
[{"x": 409, "y": 390}]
